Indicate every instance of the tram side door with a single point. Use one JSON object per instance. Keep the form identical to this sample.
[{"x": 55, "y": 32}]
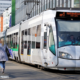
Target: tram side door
[
  {"x": 45, "y": 44},
  {"x": 49, "y": 51}
]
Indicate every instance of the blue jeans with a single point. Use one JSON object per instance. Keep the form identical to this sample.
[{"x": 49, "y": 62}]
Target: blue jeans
[{"x": 2, "y": 64}]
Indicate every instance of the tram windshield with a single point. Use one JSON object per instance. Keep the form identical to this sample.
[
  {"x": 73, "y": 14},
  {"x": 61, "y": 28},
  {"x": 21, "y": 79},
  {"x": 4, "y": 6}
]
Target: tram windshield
[{"x": 68, "y": 32}]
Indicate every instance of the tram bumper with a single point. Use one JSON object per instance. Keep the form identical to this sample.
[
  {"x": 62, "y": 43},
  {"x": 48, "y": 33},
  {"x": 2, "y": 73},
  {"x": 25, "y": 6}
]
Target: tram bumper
[{"x": 65, "y": 64}]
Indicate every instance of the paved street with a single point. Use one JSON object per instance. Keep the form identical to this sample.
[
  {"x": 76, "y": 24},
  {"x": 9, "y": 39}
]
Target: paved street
[{"x": 17, "y": 71}]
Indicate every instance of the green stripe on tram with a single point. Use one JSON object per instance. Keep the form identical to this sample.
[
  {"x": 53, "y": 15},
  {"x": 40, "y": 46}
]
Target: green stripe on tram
[{"x": 15, "y": 49}]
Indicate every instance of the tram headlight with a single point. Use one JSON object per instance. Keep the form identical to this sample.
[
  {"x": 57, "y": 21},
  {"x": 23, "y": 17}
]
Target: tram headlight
[{"x": 65, "y": 55}]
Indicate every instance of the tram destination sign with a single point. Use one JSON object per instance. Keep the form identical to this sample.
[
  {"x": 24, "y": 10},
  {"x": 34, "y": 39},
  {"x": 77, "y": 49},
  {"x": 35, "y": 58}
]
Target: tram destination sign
[{"x": 68, "y": 15}]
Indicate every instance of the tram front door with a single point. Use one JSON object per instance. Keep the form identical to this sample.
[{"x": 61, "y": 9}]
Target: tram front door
[{"x": 49, "y": 51}]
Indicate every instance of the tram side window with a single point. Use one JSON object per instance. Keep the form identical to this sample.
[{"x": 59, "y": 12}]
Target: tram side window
[
  {"x": 33, "y": 31},
  {"x": 38, "y": 36},
  {"x": 33, "y": 45},
  {"x": 37, "y": 44},
  {"x": 22, "y": 35},
  {"x": 10, "y": 41},
  {"x": 21, "y": 47},
  {"x": 22, "y": 43},
  {"x": 16, "y": 40},
  {"x": 38, "y": 30},
  {"x": 25, "y": 44},
  {"x": 7, "y": 40},
  {"x": 29, "y": 48},
  {"x": 51, "y": 41},
  {"x": 26, "y": 32},
  {"x": 45, "y": 40}
]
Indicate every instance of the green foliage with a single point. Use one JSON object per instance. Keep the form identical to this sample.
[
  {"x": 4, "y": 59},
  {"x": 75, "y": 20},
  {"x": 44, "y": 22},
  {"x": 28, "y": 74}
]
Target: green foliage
[{"x": 13, "y": 12}]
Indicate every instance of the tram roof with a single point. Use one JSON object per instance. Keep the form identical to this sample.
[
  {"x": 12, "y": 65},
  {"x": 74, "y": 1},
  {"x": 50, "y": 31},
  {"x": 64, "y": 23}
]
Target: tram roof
[{"x": 66, "y": 9}]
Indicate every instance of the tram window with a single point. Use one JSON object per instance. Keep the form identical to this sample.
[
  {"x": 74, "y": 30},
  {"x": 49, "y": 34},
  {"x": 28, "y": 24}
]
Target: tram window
[
  {"x": 25, "y": 44},
  {"x": 22, "y": 47},
  {"x": 37, "y": 44},
  {"x": 22, "y": 32},
  {"x": 16, "y": 45},
  {"x": 45, "y": 40},
  {"x": 29, "y": 48},
  {"x": 51, "y": 41},
  {"x": 26, "y": 32},
  {"x": 33, "y": 31},
  {"x": 16, "y": 40},
  {"x": 33, "y": 45},
  {"x": 7, "y": 40},
  {"x": 16, "y": 33},
  {"x": 10, "y": 41},
  {"x": 22, "y": 35},
  {"x": 38, "y": 30}
]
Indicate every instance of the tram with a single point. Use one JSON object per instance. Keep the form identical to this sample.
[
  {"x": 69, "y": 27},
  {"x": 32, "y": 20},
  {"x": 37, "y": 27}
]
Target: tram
[{"x": 50, "y": 39}]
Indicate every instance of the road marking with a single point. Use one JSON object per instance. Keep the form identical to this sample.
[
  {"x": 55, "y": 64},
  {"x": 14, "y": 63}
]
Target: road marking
[{"x": 4, "y": 76}]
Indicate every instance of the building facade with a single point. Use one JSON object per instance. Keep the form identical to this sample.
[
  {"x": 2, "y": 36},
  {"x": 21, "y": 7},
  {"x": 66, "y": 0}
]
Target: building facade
[
  {"x": 6, "y": 18},
  {"x": 25, "y": 9},
  {"x": 77, "y": 3},
  {"x": 1, "y": 23},
  {"x": 4, "y": 4}
]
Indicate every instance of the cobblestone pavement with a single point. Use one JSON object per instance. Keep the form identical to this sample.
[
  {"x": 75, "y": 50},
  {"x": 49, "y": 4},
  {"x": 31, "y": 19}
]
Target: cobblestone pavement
[{"x": 17, "y": 71}]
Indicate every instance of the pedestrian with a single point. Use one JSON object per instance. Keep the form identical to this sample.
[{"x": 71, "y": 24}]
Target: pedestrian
[{"x": 3, "y": 57}]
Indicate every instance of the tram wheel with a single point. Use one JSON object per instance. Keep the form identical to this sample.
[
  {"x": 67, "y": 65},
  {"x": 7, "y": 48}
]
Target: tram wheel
[
  {"x": 38, "y": 66},
  {"x": 42, "y": 68}
]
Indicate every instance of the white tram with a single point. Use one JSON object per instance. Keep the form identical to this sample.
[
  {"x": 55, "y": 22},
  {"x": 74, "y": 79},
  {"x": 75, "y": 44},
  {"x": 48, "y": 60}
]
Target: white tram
[{"x": 50, "y": 39}]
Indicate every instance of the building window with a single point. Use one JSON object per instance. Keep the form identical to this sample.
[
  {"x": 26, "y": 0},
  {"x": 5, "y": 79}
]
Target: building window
[{"x": 76, "y": 3}]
